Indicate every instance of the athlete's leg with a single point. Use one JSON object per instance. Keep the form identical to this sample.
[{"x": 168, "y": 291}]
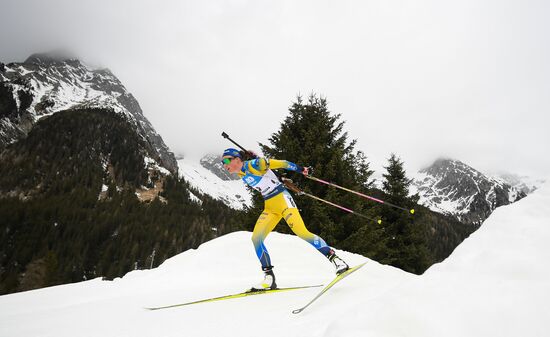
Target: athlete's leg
[
  {"x": 296, "y": 223},
  {"x": 294, "y": 220},
  {"x": 264, "y": 225}
]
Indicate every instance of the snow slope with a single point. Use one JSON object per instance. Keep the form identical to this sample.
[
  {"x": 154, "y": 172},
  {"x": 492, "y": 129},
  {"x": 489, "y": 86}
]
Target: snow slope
[
  {"x": 232, "y": 192},
  {"x": 496, "y": 283}
]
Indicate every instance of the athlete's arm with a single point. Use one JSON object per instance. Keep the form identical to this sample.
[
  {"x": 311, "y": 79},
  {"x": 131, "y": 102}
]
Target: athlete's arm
[{"x": 284, "y": 164}]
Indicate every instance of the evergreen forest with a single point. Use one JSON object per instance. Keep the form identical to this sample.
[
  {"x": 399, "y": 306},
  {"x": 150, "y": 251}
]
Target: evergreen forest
[
  {"x": 55, "y": 228},
  {"x": 69, "y": 210}
]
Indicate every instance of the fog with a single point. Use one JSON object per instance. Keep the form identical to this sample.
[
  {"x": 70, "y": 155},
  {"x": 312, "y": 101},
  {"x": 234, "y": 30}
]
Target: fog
[{"x": 422, "y": 79}]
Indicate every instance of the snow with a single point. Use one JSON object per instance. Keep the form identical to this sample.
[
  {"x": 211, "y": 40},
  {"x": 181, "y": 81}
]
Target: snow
[
  {"x": 150, "y": 163},
  {"x": 440, "y": 188},
  {"x": 496, "y": 283},
  {"x": 43, "y": 116},
  {"x": 194, "y": 198},
  {"x": 69, "y": 90},
  {"x": 443, "y": 204},
  {"x": 232, "y": 192},
  {"x": 526, "y": 184},
  {"x": 23, "y": 71},
  {"x": 16, "y": 98},
  {"x": 445, "y": 199}
]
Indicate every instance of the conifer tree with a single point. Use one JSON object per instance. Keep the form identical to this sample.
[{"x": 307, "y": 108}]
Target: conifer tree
[
  {"x": 406, "y": 245},
  {"x": 313, "y": 136},
  {"x": 396, "y": 185}
]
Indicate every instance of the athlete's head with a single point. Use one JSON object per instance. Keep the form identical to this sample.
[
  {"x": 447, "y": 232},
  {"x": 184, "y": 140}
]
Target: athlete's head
[
  {"x": 232, "y": 160},
  {"x": 231, "y": 152}
]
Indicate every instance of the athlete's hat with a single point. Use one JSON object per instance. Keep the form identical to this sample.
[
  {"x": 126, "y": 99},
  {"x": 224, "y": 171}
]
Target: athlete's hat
[{"x": 231, "y": 152}]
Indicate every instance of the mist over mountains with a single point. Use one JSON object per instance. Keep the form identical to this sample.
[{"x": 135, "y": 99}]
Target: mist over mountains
[
  {"x": 89, "y": 188},
  {"x": 47, "y": 83}
]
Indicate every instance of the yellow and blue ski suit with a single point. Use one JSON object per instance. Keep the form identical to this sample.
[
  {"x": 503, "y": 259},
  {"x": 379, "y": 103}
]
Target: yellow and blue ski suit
[{"x": 258, "y": 174}]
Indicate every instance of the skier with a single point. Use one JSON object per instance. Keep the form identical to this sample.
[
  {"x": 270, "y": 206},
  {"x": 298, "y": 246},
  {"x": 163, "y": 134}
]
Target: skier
[{"x": 258, "y": 174}]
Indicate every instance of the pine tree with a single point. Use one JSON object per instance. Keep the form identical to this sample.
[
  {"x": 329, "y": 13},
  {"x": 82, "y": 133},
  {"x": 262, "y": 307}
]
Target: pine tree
[
  {"x": 313, "y": 136},
  {"x": 406, "y": 244},
  {"x": 396, "y": 185}
]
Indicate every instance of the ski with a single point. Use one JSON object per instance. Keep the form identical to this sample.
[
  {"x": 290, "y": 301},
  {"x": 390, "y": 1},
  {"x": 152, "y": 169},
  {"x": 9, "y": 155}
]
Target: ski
[
  {"x": 325, "y": 289},
  {"x": 239, "y": 295}
]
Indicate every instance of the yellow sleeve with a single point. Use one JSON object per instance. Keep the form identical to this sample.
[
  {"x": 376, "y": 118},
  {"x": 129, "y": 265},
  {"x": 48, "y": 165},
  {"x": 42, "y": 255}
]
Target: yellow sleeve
[
  {"x": 284, "y": 164},
  {"x": 275, "y": 164},
  {"x": 257, "y": 166}
]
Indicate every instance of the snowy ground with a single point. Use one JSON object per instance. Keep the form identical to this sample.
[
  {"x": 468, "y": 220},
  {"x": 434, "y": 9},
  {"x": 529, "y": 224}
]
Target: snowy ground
[
  {"x": 232, "y": 192},
  {"x": 494, "y": 284}
]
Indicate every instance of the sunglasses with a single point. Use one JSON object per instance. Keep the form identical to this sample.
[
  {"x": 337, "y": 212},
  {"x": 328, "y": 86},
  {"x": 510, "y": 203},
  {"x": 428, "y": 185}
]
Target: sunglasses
[{"x": 227, "y": 161}]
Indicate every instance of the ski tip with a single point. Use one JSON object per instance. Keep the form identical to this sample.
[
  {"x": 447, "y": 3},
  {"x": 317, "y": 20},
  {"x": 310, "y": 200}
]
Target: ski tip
[
  {"x": 412, "y": 211},
  {"x": 297, "y": 311},
  {"x": 354, "y": 268}
]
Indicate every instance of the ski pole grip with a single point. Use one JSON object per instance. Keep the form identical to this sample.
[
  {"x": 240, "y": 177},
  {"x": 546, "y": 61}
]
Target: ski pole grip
[{"x": 309, "y": 170}]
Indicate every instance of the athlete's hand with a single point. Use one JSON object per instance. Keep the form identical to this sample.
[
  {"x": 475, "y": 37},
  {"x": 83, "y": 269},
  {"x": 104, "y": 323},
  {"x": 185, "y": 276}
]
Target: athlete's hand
[{"x": 307, "y": 170}]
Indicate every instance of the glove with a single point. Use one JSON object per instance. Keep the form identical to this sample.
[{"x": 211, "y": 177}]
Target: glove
[{"x": 308, "y": 170}]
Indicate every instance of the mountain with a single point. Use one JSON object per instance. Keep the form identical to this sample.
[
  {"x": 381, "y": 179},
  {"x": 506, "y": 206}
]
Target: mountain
[
  {"x": 213, "y": 163},
  {"x": 80, "y": 197},
  {"x": 442, "y": 233},
  {"x": 88, "y": 190},
  {"x": 47, "y": 83},
  {"x": 449, "y": 187},
  {"x": 454, "y": 188},
  {"x": 525, "y": 184},
  {"x": 487, "y": 287},
  {"x": 208, "y": 177}
]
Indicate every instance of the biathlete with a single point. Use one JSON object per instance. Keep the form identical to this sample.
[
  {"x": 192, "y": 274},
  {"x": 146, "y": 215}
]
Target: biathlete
[{"x": 258, "y": 174}]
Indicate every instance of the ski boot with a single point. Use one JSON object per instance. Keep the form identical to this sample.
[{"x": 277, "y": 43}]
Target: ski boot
[
  {"x": 338, "y": 263},
  {"x": 268, "y": 282}
]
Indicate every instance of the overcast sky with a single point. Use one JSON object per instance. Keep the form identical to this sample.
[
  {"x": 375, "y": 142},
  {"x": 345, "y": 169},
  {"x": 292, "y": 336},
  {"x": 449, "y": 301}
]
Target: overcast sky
[{"x": 465, "y": 79}]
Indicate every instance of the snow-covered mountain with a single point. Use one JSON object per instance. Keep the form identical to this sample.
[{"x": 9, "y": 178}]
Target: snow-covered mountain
[
  {"x": 494, "y": 284},
  {"x": 526, "y": 184},
  {"x": 208, "y": 177},
  {"x": 448, "y": 187},
  {"x": 47, "y": 83},
  {"x": 213, "y": 163},
  {"x": 454, "y": 188}
]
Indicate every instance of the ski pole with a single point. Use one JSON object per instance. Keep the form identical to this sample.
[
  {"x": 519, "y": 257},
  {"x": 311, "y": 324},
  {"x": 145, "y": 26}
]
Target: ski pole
[
  {"x": 359, "y": 194},
  {"x": 247, "y": 152},
  {"x": 288, "y": 183},
  {"x": 226, "y": 136}
]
